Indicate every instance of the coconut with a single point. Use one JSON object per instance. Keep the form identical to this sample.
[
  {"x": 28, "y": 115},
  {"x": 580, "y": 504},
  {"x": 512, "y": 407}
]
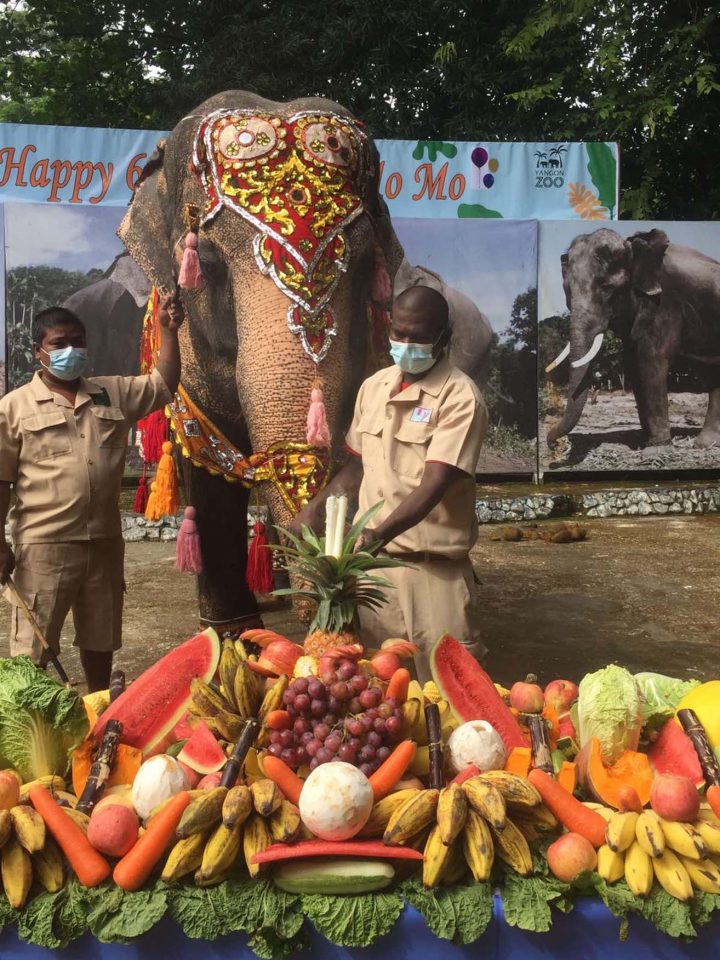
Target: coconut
[
  {"x": 335, "y": 801},
  {"x": 476, "y": 742}
]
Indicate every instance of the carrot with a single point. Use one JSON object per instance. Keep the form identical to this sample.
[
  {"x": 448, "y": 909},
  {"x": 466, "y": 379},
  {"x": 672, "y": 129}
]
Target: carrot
[
  {"x": 285, "y": 778},
  {"x": 398, "y": 685},
  {"x": 712, "y": 795},
  {"x": 132, "y": 871},
  {"x": 278, "y": 720},
  {"x": 90, "y": 868},
  {"x": 569, "y": 811},
  {"x": 389, "y": 772}
]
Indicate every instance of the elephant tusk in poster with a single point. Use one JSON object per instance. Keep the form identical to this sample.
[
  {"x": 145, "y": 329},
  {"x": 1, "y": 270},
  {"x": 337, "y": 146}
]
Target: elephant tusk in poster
[
  {"x": 563, "y": 355},
  {"x": 592, "y": 352}
]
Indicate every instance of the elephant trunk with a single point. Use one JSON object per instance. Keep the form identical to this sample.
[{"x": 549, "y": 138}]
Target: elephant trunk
[{"x": 584, "y": 346}]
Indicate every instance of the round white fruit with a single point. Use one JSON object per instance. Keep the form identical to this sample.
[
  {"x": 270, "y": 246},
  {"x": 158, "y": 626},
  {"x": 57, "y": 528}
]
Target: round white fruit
[
  {"x": 158, "y": 779},
  {"x": 335, "y": 801},
  {"x": 476, "y": 742}
]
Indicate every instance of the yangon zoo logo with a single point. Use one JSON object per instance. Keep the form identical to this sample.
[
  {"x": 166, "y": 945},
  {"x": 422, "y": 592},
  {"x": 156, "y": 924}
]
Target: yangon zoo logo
[{"x": 549, "y": 166}]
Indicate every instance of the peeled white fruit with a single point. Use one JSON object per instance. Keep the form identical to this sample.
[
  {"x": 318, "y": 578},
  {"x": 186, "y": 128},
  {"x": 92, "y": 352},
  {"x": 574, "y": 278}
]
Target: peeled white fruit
[
  {"x": 335, "y": 801},
  {"x": 476, "y": 742},
  {"x": 157, "y": 779}
]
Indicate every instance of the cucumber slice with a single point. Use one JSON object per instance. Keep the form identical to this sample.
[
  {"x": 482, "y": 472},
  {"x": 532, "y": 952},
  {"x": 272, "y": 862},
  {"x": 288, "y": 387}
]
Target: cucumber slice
[{"x": 334, "y": 876}]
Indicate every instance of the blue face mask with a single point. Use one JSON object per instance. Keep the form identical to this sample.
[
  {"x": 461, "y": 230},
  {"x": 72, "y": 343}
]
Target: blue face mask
[
  {"x": 413, "y": 357},
  {"x": 68, "y": 363}
]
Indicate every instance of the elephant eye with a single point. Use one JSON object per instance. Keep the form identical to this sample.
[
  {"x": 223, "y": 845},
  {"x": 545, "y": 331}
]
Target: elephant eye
[
  {"x": 329, "y": 142},
  {"x": 243, "y": 139},
  {"x": 212, "y": 265}
]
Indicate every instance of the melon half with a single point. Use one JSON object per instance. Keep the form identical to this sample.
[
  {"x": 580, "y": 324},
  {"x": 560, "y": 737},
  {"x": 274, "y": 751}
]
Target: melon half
[{"x": 159, "y": 698}]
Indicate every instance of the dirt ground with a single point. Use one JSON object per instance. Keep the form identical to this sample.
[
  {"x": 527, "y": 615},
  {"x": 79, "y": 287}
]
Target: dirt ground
[{"x": 641, "y": 592}]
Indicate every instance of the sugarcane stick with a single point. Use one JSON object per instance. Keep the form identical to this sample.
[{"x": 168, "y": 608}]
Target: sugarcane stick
[
  {"x": 117, "y": 684},
  {"x": 435, "y": 747},
  {"x": 237, "y": 757},
  {"x": 101, "y": 767},
  {"x": 696, "y": 731},
  {"x": 541, "y": 753},
  {"x": 30, "y": 617}
]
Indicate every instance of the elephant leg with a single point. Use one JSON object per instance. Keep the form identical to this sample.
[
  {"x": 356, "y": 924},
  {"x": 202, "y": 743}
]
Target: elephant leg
[
  {"x": 652, "y": 378},
  {"x": 709, "y": 436},
  {"x": 225, "y": 599},
  {"x": 632, "y": 374}
]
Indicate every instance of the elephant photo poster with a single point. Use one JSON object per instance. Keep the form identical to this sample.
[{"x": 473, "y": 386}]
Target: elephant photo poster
[
  {"x": 71, "y": 256},
  {"x": 629, "y": 346},
  {"x": 487, "y": 271}
]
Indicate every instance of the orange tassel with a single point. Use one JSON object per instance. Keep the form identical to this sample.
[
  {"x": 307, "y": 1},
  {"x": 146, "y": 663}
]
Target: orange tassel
[
  {"x": 167, "y": 501},
  {"x": 259, "y": 576},
  {"x": 151, "y": 508}
]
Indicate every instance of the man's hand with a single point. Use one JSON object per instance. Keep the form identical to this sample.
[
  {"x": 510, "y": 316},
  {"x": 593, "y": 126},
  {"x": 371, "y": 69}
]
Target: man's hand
[
  {"x": 7, "y": 562},
  {"x": 366, "y": 539},
  {"x": 171, "y": 313},
  {"x": 310, "y": 516}
]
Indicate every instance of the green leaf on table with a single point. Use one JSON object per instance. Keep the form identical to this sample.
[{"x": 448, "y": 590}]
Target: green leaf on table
[
  {"x": 669, "y": 915},
  {"x": 527, "y": 901},
  {"x": 459, "y": 913},
  {"x": 7, "y": 914},
  {"x": 54, "y": 919},
  {"x": 702, "y": 907},
  {"x": 201, "y": 912},
  {"x": 603, "y": 172},
  {"x": 256, "y": 906},
  {"x": 119, "y": 917},
  {"x": 267, "y": 945},
  {"x": 353, "y": 921}
]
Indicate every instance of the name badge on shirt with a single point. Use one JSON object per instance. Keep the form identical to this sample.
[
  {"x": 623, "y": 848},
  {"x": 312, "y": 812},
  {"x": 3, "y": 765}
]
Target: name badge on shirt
[
  {"x": 100, "y": 399},
  {"x": 421, "y": 415}
]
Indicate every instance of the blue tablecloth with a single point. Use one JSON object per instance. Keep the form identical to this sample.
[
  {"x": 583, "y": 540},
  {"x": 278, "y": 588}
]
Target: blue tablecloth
[{"x": 590, "y": 932}]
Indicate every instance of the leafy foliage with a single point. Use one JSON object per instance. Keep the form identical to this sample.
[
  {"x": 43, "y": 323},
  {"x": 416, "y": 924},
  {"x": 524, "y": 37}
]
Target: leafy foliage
[
  {"x": 459, "y": 913},
  {"x": 353, "y": 921}
]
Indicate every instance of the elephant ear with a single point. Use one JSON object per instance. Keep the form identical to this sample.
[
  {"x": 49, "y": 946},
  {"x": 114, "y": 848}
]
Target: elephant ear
[
  {"x": 648, "y": 252},
  {"x": 145, "y": 231}
]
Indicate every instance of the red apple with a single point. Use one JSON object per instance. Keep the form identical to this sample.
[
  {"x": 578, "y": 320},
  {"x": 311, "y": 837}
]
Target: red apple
[
  {"x": 674, "y": 798},
  {"x": 526, "y": 697},
  {"x": 570, "y": 855},
  {"x": 561, "y": 695}
]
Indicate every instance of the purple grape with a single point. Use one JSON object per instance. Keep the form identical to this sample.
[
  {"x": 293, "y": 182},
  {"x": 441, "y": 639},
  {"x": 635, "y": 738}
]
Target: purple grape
[
  {"x": 367, "y": 722},
  {"x": 393, "y": 725},
  {"x": 323, "y": 755},
  {"x": 335, "y": 706},
  {"x": 341, "y": 691},
  {"x": 355, "y": 727},
  {"x": 289, "y": 696},
  {"x": 317, "y": 708},
  {"x": 275, "y": 736},
  {"x": 347, "y": 753},
  {"x": 301, "y": 754},
  {"x": 367, "y": 769},
  {"x": 367, "y": 698},
  {"x": 301, "y": 726},
  {"x": 355, "y": 706},
  {"x": 356, "y": 743},
  {"x": 384, "y": 710},
  {"x": 373, "y": 713},
  {"x": 346, "y": 670},
  {"x": 289, "y": 756},
  {"x": 275, "y": 749},
  {"x": 316, "y": 689},
  {"x": 312, "y": 747},
  {"x": 313, "y": 763},
  {"x": 359, "y": 683},
  {"x": 287, "y": 738},
  {"x": 392, "y": 702},
  {"x": 330, "y": 719},
  {"x": 333, "y": 743},
  {"x": 329, "y": 678},
  {"x": 292, "y": 711},
  {"x": 383, "y": 753},
  {"x": 321, "y": 731},
  {"x": 300, "y": 685},
  {"x": 367, "y": 754},
  {"x": 306, "y": 737},
  {"x": 379, "y": 725},
  {"x": 302, "y": 703},
  {"x": 374, "y": 739},
  {"x": 377, "y": 695}
]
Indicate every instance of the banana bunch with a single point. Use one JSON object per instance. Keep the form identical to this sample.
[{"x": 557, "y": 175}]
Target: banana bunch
[
  {"x": 682, "y": 857},
  {"x": 27, "y": 851},
  {"x": 241, "y": 695},
  {"x": 461, "y": 827},
  {"x": 220, "y": 825}
]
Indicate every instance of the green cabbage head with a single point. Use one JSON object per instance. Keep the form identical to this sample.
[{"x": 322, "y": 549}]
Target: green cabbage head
[
  {"x": 41, "y": 722},
  {"x": 610, "y": 708}
]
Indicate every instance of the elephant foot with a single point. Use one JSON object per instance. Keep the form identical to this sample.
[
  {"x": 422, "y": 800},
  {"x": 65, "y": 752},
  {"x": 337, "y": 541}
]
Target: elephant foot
[
  {"x": 661, "y": 440},
  {"x": 707, "y": 438}
]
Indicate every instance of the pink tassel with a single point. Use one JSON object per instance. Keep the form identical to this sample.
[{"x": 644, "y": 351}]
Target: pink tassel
[
  {"x": 381, "y": 286},
  {"x": 259, "y": 575},
  {"x": 318, "y": 432},
  {"x": 190, "y": 277},
  {"x": 188, "y": 557}
]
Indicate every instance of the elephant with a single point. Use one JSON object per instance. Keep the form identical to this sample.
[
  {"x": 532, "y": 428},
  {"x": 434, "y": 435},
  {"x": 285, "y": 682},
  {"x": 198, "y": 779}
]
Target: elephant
[{"x": 663, "y": 301}]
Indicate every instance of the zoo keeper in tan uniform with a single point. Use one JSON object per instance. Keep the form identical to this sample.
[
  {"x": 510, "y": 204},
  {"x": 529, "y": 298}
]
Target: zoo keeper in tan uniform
[
  {"x": 415, "y": 438},
  {"x": 63, "y": 441}
]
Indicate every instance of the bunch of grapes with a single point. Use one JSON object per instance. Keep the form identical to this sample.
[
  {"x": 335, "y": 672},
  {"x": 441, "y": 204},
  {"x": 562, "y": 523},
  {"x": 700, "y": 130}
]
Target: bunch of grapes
[{"x": 341, "y": 717}]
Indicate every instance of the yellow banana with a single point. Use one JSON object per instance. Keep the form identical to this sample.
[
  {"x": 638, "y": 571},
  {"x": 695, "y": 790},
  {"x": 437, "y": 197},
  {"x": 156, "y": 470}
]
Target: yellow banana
[
  {"x": 527, "y": 829},
  {"x": 451, "y": 813},
  {"x": 455, "y": 868},
  {"x": 605, "y": 812},
  {"x": 517, "y": 791},
  {"x": 16, "y": 873},
  {"x": 411, "y": 711},
  {"x": 79, "y": 819},
  {"x": 256, "y": 838},
  {"x": 6, "y": 827},
  {"x": 241, "y": 650},
  {"x": 413, "y": 816},
  {"x": 202, "y": 881},
  {"x": 478, "y": 846},
  {"x": 710, "y": 834},
  {"x": 684, "y": 839},
  {"x": 284, "y": 823},
  {"x": 29, "y": 827},
  {"x": 448, "y": 720},
  {"x": 49, "y": 866},
  {"x": 420, "y": 766},
  {"x": 220, "y": 851},
  {"x": 435, "y": 857},
  {"x": 229, "y": 662},
  {"x": 50, "y": 782},
  {"x": 512, "y": 847},
  {"x": 431, "y": 691},
  {"x": 487, "y": 801},
  {"x": 203, "y": 813},
  {"x": 610, "y": 865},
  {"x": 541, "y": 818},
  {"x": 252, "y": 770},
  {"x": 206, "y": 699},
  {"x": 237, "y": 805},
  {"x": 185, "y": 857},
  {"x": 415, "y": 691},
  {"x": 672, "y": 875},
  {"x": 229, "y": 725},
  {"x": 266, "y": 797},
  {"x": 383, "y": 810},
  {"x": 649, "y": 834},
  {"x": 248, "y": 691},
  {"x": 273, "y": 697},
  {"x": 704, "y": 874},
  {"x": 620, "y": 831},
  {"x": 638, "y": 870},
  {"x": 706, "y": 814}
]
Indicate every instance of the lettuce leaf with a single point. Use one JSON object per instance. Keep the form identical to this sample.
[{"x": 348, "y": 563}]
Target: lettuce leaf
[
  {"x": 41, "y": 722},
  {"x": 55, "y": 919},
  {"x": 669, "y": 915},
  {"x": 200, "y": 912},
  {"x": 118, "y": 917},
  {"x": 459, "y": 913},
  {"x": 609, "y": 708},
  {"x": 353, "y": 921},
  {"x": 660, "y": 697}
]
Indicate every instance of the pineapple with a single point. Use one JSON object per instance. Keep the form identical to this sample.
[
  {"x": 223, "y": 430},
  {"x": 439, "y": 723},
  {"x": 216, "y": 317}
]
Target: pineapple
[{"x": 336, "y": 584}]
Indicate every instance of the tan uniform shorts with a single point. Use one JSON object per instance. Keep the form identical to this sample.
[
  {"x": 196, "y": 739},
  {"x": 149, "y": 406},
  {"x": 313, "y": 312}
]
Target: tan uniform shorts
[
  {"x": 54, "y": 578},
  {"x": 427, "y": 600}
]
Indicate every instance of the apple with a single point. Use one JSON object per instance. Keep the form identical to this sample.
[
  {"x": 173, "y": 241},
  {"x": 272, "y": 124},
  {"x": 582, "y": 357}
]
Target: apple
[
  {"x": 561, "y": 695},
  {"x": 675, "y": 798},
  {"x": 526, "y": 697},
  {"x": 570, "y": 855},
  {"x": 9, "y": 790}
]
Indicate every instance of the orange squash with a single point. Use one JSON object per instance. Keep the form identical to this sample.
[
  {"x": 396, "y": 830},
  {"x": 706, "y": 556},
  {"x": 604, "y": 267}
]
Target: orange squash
[
  {"x": 519, "y": 760},
  {"x": 127, "y": 763},
  {"x": 605, "y": 784}
]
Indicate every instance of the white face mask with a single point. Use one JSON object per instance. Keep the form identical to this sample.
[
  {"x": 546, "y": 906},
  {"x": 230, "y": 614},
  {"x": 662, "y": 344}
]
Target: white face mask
[
  {"x": 414, "y": 357},
  {"x": 68, "y": 363}
]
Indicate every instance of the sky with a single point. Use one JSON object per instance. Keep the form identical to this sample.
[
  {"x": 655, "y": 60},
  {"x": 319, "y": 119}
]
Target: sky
[
  {"x": 556, "y": 236},
  {"x": 74, "y": 238},
  {"x": 490, "y": 261}
]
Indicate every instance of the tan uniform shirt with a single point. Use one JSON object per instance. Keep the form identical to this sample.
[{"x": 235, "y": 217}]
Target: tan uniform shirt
[
  {"x": 440, "y": 418},
  {"x": 66, "y": 463}
]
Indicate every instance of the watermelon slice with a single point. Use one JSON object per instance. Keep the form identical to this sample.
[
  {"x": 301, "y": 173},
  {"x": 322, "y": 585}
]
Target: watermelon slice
[
  {"x": 202, "y": 752},
  {"x": 153, "y": 704},
  {"x": 674, "y": 753},
  {"x": 183, "y": 729},
  {"x": 470, "y": 691}
]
